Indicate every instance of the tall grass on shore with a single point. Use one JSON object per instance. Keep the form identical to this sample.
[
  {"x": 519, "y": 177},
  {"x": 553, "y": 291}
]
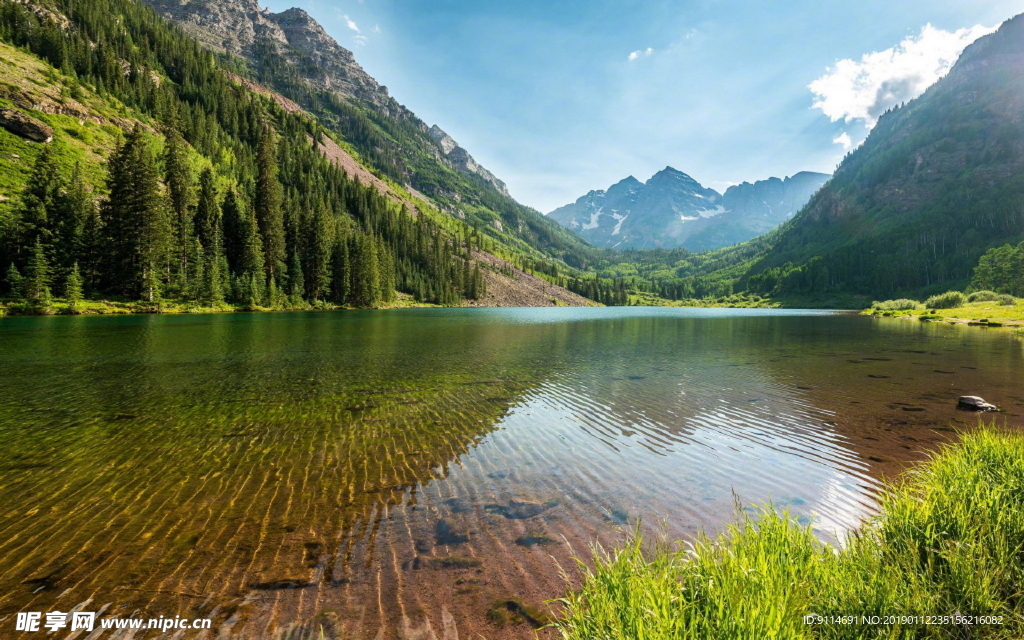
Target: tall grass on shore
[{"x": 949, "y": 540}]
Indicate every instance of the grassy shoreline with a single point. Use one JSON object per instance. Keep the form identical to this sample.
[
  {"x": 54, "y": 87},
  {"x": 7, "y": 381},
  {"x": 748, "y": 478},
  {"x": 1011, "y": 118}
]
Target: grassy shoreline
[
  {"x": 978, "y": 308},
  {"x": 972, "y": 313},
  {"x": 948, "y": 540},
  {"x": 114, "y": 307}
]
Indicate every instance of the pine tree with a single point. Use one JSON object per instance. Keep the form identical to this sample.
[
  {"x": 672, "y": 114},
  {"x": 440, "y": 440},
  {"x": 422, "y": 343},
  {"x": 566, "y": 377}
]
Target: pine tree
[
  {"x": 91, "y": 248},
  {"x": 319, "y": 248},
  {"x": 269, "y": 213},
  {"x": 365, "y": 285},
  {"x": 211, "y": 290},
  {"x": 37, "y": 279},
  {"x": 70, "y": 219},
  {"x": 252, "y": 287},
  {"x": 15, "y": 282},
  {"x": 180, "y": 181},
  {"x": 386, "y": 269},
  {"x": 296, "y": 280},
  {"x": 208, "y": 214},
  {"x": 242, "y": 244},
  {"x": 73, "y": 289},
  {"x": 275, "y": 298},
  {"x": 39, "y": 200},
  {"x": 340, "y": 272},
  {"x": 136, "y": 221}
]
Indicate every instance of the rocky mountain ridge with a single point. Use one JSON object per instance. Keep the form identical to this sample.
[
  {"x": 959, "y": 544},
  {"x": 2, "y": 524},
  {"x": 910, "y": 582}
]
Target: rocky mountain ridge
[
  {"x": 243, "y": 28},
  {"x": 463, "y": 161},
  {"x": 673, "y": 210}
]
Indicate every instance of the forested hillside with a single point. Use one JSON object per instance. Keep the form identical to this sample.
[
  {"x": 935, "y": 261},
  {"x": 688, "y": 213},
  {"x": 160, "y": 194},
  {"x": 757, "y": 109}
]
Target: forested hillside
[
  {"x": 291, "y": 53},
  {"x": 939, "y": 181},
  {"x": 167, "y": 179}
]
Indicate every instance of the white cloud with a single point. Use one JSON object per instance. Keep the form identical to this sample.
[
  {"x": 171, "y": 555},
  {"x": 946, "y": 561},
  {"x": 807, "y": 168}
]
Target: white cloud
[
  {"x": 863, "y": 89},
  {"x": 844, "y": 140},
  {"x": 351, "y": 24},
  {"x": 640, "y": 53},
  {"x": 376, "y": 29}
]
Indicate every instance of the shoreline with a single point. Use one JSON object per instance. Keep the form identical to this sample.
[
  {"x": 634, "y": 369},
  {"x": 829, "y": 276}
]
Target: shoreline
[
  {"x": 1010, "y": 318},
  {"x": 920, "y": 560}
]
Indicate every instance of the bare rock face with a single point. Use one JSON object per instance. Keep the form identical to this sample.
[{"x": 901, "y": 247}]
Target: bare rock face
[
  {"x": 461, "y": 160},
  {"x": 243, "y": 28},
  {"x": 25, "y": 126}
]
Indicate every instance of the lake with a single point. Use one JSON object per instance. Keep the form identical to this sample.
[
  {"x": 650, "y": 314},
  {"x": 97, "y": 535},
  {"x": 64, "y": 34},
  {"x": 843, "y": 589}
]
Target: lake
[{"x": 423, "y": 473}]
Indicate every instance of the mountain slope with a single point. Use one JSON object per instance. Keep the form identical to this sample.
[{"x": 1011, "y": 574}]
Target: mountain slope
[
  {"x": 290, "y": 53},
  {"x": 937, "y": 182},
  {"x": 673, "y": 210},
  {"x": 757, "y": 208},
  {"x": 132, "y": 161}
]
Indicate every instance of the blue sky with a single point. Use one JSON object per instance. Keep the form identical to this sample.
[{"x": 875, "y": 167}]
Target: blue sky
[{"x": 561, "y": 97}]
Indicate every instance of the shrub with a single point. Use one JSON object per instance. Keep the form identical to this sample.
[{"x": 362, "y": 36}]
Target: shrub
[
  {"x": 983, "y": 296},
  {"x": 1007, "y": 301},
  {"x": 948, "y": 300},
  {"x": 902, "y": 304}
]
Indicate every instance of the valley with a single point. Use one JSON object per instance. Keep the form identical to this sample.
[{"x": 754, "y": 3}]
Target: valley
[{"x": 283, "y": 356}]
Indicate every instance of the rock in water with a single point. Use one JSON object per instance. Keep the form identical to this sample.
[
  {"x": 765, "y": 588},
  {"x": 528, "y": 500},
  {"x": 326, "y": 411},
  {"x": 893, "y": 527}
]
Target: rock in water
[
  {"x": 25, "y": 126},
  {"x": 975, "y": 403}
]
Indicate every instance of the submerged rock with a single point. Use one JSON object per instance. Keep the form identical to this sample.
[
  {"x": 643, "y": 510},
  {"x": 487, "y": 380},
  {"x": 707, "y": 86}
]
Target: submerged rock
[
  {"x": 445, "y": 534},
  {"x": 975, "y": 403},
  {"x": 520, "y": 509}
]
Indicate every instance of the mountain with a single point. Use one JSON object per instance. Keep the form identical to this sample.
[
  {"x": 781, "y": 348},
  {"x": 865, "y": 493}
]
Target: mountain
[
  {"x": 937, "y": 182},
  {"x": 136, "y": 167},
  {"x": 752, "y": 209},
  {"x": 290, "y": 54},
  {"x": 464, "y": 162},
  {"x": 673, "y": 210},
  {"x": 242, "y": 28}
]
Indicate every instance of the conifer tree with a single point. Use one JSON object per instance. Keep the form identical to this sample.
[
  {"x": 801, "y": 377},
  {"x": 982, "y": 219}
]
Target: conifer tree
[
  {"x": 296, "y": 279},
  {"x": 365, "y": 285},
  {"x": 319, "y": 248},
  {"x": 39, "y": 201},
  {"x": 136, "y": 221},
  {"x": 208, "y": 214},
  {"x": 340, "y": 272},
  {"x": 73, "y": 288},
  {"x": 269, "y": 201},
  {"x": 386, "y": 269},
  {"x": 37, "y": 279},
  {"x": 15, "y": 282},
  {"x": 180, "y": 181},
  {"x": 70, "y": 220},
  {"x": 211, "y": 288}
]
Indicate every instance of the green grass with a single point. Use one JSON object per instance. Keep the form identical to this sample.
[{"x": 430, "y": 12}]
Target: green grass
[
  {"x": 949, "y": 539},
  {"x": 60, "y": 307},
  {"x": 997, "y": 312}
]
